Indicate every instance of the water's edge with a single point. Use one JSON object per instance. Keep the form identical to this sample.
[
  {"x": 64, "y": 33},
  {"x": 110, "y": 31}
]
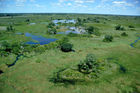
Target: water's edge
[{"x": 17, "y": 58}]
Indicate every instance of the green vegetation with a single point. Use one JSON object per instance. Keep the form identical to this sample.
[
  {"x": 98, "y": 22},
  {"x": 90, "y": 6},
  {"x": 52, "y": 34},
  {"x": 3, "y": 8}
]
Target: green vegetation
[
  {"x": 10, "y": 28},
  {"x": 108, "y": 38},
  {"x": 94, "y": 67},
  {"x": 51, "y": 31},
  {"x": 88, "y": 65},
  {"x": 66, "y": 47},
  {"x": 124, "y": 34},
  {"x": 119, "y": 27},
  {"x": 93, "y": 30}
]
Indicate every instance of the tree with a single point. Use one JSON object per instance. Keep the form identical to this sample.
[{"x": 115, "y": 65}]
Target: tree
[
  {"x": 119, "y": 27},
  {"x": 27, "y": 20},
  {"x": 93, "y": 30},
  {"x": 51, "y": 31},
  {"x": 50, "y": 25},
  {"x": 88, "y": 65},
  {"x": 90, "y": 29},
  {"x": 66, "y": 47},
  {"x": 124, "y": 34},
  {"x": 10, "y": 28},
  {"x": 130, "y": 26},
  {"x": 108, "y": 38}
]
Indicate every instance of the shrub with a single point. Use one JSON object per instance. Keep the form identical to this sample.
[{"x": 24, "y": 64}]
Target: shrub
[
  {"x": 10, "y": 28},
  {"x": 119, "y": 27},
  {"x": 88, "y": 65},
  {"x": 51, "y": 31},
  {"x": 40, "y": 49},
  {"x": 90, "y": 29},
  {"x": 72, "y": 34},
  {"x": 93, "y": 30},
  {"x": 27, "y": 20},
  {"x": 63, "y": 40},
  {"x": 50, "y": 25},
  {"x": 108, "y": 38},
  {"x": 130, "y": 26},
  {"x": 66, "y": 47},
  {"x": 124, "y": 34}
]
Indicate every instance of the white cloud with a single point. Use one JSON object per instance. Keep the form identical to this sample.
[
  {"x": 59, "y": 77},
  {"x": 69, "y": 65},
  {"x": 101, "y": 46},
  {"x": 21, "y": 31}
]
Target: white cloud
[
  {"x": 122, "y": 3},
  {"x": 136, "y": 2},
  {"x": 20, "y": 3},
  {"x": 69, "y": 4},
  {"x": 78, "y": 1},
  {"x": 83, "y": 1},
  {"x": 39, "y": 6},
  {"x": 119, "y": 2}
]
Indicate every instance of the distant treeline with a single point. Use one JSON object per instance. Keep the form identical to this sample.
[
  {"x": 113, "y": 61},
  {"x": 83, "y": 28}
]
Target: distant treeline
[{"x": 21, "y": 14}]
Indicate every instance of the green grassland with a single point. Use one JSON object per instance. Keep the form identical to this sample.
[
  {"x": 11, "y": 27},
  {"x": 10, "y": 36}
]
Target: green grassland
[{"x": 33, "y": 73}]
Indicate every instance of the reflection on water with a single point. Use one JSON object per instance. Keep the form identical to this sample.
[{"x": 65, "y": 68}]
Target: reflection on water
[{"x": 40, "y": 40}]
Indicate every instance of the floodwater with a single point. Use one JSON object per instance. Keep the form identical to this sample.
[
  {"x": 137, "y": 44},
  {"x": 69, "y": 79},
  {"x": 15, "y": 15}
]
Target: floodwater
[{"x": 40, "y": 40}]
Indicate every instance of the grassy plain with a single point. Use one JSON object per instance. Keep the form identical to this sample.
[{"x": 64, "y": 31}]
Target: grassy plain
[{"x": 32, "y": 74}]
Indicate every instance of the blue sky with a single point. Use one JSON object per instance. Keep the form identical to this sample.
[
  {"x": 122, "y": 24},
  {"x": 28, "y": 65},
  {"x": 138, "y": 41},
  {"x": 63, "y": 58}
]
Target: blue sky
[{"x": 121, "y": 7}]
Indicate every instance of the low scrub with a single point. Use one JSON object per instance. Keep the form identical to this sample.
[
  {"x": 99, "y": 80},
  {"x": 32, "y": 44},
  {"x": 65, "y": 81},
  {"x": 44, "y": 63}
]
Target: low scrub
[
  {"x": 119, "y": 27},
  {"x": 130, "y": 26},
  {"x": 85, "y": 71},
  {"x": 108, "y": 38},
  {"x": 124, "y": 34},
  {"x": 88, "y": 65},
  {"x": 51, "y": 31},
  {"x": 93, "y": 30},
  {"x": 66, "y": 47}
]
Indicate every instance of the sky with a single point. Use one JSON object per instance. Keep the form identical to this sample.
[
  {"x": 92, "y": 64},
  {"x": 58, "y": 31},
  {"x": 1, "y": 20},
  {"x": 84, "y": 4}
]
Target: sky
[{"x": 119, "y": 7}]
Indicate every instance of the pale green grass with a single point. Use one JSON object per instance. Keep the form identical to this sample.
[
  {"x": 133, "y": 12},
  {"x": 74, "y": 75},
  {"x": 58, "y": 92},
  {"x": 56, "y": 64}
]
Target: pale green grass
[{"x": 32, "y": 74}]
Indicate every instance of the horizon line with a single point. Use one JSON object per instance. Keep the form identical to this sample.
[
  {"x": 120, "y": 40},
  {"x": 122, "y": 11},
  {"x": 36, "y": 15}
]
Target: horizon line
[{"x": 69, "y": 13}]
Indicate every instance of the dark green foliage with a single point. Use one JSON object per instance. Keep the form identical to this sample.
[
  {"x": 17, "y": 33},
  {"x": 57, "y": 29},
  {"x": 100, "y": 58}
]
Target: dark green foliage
[
  {"x": 93, "y": 30},
  {"x": 51, "y": 31},
  {"x": 27, "y": 20},
  {"x": 16, "y": 48},
  {"x": 51, "y": 25},
  {"x": 90, "y": 29},
  {"x": 10, "y": 28},
  {"x": 130, "y": 26},
  {"x": 119, "y": 27},
  {"x": 79, "y": 22},
  {"x": 63, "y": 40},
  {"x": 40, "y": 49},
  {"x": 66, "y": 47},
  {"x": 108, "y": 38},
  {"x": 88, "y": 65},
  {"x": 72, "y": 34},
  {"x": 124, "y": 34}
]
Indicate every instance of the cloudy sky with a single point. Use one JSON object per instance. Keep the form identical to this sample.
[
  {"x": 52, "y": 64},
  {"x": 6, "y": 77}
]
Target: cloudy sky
[{"x": 121, "y": 7}]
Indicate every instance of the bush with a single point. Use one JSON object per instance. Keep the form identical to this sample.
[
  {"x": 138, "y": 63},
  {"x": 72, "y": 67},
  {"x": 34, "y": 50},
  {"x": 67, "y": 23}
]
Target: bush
[
  {"x": 90, "y": 29},
  {"x": 50, "y": 25},
  {"x": 93, "y": 30},
  {"x": 40, "y": 49},
  {"x": 130, "y": 26},
  {"x": 10, "y": 28},
  {"x": 62, "y": 41},
  {"x": 51, "y": 31},
  {"x": 108, "y": 38},
  {"x": 124, "y": 34},
  {"x": 119, "y": 27},
  {"x": 72, "y": 34},
  {"x": 88, "y": 65},
  {"x": 66, "y": 47}
]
